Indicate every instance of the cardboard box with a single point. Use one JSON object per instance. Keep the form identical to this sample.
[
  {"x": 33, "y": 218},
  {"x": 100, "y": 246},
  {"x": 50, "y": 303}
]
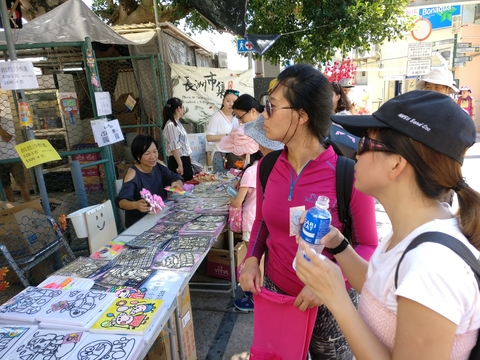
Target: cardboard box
[
  {"x": 186, "y": 320},
  {"x": 218, "y": 263},
  {"x": 126, "y": 119},
  {"x": 162, "y": 350}
]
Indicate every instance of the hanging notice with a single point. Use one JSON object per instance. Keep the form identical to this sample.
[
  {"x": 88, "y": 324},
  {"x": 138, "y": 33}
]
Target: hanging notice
[
  {"x": 201, "y": 89},
  {"x": 106, "y": 132},
  {"x": 17, "y": 75},
  {"x": 36, "y": 152},
  {"x": 104, "y": 103}
]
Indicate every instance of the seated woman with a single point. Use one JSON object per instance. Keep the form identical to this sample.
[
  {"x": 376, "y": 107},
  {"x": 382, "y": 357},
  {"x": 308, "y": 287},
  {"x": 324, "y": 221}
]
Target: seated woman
[{"x": 147, "y": 173}]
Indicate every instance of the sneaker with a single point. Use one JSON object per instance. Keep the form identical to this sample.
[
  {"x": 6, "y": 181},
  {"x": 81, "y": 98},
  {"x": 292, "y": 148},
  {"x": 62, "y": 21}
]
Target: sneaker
[{"x": 244, "y": 304}]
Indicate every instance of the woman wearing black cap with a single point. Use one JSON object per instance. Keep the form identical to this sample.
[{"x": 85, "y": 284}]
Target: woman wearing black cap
[{"x": 430, "y": 308}]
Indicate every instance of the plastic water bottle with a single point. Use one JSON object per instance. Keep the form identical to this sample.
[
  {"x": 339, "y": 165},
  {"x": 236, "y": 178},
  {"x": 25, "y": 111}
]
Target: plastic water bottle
[{"x": 316, "y": 226}]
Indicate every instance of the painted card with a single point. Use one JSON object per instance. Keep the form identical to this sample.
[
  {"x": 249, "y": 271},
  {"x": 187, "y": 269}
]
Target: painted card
[
  {"x": 190, "y": 244},
  {"x": 149, "y": 239},
  {"x": 26, "y": 305},
  {"x": 128, "y": 316},
  {"x": 124, "y": 292},
  {"x": 76, "y": 307},
  {"x": 109, "y": 346},
  {"x": 124, "y": 276},
  {"x": 82, "y": 267},
  {"x": 11, "y": 336},
  {"x": 48, "y": 344},
  {"x": 183, "y": 261},
  {"x": 139, "y": 258}
]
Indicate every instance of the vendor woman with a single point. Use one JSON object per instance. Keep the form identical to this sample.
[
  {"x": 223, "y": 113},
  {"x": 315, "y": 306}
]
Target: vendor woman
[{"x": 147, "y": 173}]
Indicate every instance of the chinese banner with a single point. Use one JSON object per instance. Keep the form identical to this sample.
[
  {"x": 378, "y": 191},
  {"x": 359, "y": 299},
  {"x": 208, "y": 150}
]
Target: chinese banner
[{"x": 201, "y": 89}]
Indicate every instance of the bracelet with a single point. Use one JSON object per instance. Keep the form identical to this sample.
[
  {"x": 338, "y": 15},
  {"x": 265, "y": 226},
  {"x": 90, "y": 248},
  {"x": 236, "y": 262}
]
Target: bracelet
[{"x": 337, "y": 250}]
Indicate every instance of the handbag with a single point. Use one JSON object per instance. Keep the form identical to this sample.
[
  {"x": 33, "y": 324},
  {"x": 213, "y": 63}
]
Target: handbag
[
  {"x": 197, "y": 168},
  {"x": 235, "y": 219}
]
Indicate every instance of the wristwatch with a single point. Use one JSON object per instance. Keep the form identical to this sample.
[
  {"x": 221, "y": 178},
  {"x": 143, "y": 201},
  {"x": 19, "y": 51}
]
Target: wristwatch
[{"x": 337, "y": 250}]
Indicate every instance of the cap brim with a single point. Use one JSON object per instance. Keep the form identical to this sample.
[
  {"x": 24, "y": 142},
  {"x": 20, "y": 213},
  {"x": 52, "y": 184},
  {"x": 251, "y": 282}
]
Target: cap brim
[{"x": 358, "y": 124}]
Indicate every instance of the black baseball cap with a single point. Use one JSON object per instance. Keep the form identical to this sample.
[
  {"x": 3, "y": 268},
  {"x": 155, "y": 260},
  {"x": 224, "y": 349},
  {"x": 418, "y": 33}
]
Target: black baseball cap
[{"x": 431, "y": 118}]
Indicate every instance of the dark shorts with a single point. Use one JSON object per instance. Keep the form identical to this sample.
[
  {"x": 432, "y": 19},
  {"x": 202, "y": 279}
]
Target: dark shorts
[{"x": 16, "y": 169}]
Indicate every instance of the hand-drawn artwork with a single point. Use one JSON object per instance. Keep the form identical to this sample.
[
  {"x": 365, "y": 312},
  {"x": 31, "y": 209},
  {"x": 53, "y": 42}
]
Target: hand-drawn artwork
[
  {"x": 10, "y": 336},
  {"x": 184, "y": 205},
  {"x": 26, "y": 305},
  {"x": 124, "y": 292},
  {"x": 141, "y": 258},
  {"x": 179, "y": 217},
  {"x": 48, "y": 344},
  {"x": 166, "y": 228},
  {"x": 189, "y": 244},
  {"x": 148, "y": 239},
  {"x": 76, "y": 307},
  {"x": 82, "y": 267},
  {"x": 115, "y": 347},
  {"x": 128, "y": 316},
  {"x": 124, "y": 276},
  {"x": 176, "y": 261}
]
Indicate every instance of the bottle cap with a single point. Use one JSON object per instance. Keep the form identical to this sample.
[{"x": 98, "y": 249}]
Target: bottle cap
[{"x": 322, "y": 202}]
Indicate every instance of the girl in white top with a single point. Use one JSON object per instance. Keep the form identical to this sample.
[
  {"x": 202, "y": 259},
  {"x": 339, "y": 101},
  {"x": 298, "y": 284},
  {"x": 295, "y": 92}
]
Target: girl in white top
[
  {"x": 223, "y": 120},
  {"x": 407, "y": 159},
  {"x": 179, "y": 150}
]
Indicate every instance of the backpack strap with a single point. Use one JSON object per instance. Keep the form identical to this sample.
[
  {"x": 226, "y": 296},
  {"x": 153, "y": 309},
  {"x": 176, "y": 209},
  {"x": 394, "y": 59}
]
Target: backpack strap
[
  {"x": 266, "y": 166},
  {"x": 446, "y": 240},
  {"x": 344, "y": 185}
]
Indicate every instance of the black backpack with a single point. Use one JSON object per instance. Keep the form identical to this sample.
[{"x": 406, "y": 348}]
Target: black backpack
[
  {"x": 458, "y": 248},
  {"x": 344, "y": 183}
]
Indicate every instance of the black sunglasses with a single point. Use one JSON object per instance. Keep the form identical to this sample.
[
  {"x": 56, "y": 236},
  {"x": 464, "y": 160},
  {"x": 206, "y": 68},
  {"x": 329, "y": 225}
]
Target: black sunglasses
[
  {"x": 367, "y": 144},
  {"x": 231, "y": 91},
  {"x": 269, "y": 107}
]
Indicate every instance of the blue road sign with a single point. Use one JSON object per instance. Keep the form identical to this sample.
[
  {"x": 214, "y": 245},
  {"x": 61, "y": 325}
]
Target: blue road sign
[{"x": 244, "y": 46}]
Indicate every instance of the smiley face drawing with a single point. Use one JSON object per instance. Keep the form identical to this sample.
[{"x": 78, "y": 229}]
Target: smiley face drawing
[{"x": 99, "y": 219}]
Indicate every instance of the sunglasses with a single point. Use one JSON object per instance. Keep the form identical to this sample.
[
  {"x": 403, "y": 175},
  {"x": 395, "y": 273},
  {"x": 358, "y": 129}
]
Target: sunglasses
[
  {"x": 269, "y": 107},
  {"x": 231, "y": 91},
  {"x": 367, "y": 144}
]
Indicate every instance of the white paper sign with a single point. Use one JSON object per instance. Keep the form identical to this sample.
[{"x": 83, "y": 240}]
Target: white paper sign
[
  {"x": 104, "y": 103},
  {"x": 197, "y": 143},
  {"x": 16, "y": 75},
  {"x": 106, "y": 132}
]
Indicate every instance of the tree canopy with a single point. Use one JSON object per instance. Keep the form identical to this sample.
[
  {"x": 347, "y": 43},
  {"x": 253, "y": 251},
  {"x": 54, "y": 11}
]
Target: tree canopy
[{"x": 312, "y": 30}]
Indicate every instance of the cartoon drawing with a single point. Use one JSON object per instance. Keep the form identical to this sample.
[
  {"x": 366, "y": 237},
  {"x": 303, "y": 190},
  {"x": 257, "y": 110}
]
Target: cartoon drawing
[
  {"x": 124, "y": 292},
  {"x": 101, "y": 349},
  {"x": 81, "y": 304},
  {"x": 48, "y": 345},
  {"x": 29, "y": 301},
  {"x": 129, "y": 315}
]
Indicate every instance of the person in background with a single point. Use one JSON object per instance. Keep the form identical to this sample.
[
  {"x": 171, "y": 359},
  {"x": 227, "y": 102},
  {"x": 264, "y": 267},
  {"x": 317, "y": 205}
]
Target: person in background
[
  {"x": 255, "y": 131},
  {"x": 341, "y": 104},
  {"x": 177, "y": 140},
  {"x": 431, "y": 311},
  {"x": 220, "y": 125},
  {"x": 439, "y": 80},
  {"x": 465, "y": 100},
  {"x": 7, "y": 152},
  {"x": 246, "y": 108},
  {"x": 147, "y": 173},
  {"x": 347, "y": 85},
  {"x": 298, "y": 115}
]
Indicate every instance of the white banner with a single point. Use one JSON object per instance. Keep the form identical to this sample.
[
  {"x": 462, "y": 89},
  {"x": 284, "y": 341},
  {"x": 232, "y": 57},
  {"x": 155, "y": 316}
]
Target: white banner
[{"x": 201, "y": 89}]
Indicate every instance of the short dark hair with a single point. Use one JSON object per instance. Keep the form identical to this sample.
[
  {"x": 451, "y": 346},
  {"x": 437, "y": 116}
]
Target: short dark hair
[
  {"x": 309, "y": 90},
  {"x": 140, "y": 145},
  {"x": 247, "y": 102}
]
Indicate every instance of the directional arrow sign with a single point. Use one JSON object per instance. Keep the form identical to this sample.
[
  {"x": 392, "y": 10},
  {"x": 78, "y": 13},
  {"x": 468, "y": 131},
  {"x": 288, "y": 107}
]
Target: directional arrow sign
[
  {"x": 463, "y": 45},
  {"x": 462, "y": 59},
  {"x": 468, "y": 49},
  {"x": 444, "y": 42}
]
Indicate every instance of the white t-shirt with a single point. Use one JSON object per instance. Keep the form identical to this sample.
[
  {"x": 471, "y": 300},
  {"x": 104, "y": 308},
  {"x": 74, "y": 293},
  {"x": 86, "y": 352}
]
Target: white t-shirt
[
  {"x": 430, "y": 274},
  {"x": 7, "y": 150},
  {"x": 220, "y": 125}
]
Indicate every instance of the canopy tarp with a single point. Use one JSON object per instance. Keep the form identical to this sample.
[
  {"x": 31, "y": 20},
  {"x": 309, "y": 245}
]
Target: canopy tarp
[{"x": 72, "y": 21}]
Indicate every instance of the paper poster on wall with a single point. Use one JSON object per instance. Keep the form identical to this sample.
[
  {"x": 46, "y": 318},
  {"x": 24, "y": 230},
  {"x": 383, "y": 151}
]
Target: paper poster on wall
[
  {"x": 106, "y": 132},
  {"x": 104, "y": 103},
  {"x": 197, "y": 144},
  {"x": 36, "y": 152},
  {"x": 16, "y": 75},
  {"x": 201, "y": 89}
]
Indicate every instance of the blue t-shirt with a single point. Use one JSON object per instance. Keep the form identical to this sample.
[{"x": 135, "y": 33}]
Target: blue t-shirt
[{"x": 155, "y": 182}]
